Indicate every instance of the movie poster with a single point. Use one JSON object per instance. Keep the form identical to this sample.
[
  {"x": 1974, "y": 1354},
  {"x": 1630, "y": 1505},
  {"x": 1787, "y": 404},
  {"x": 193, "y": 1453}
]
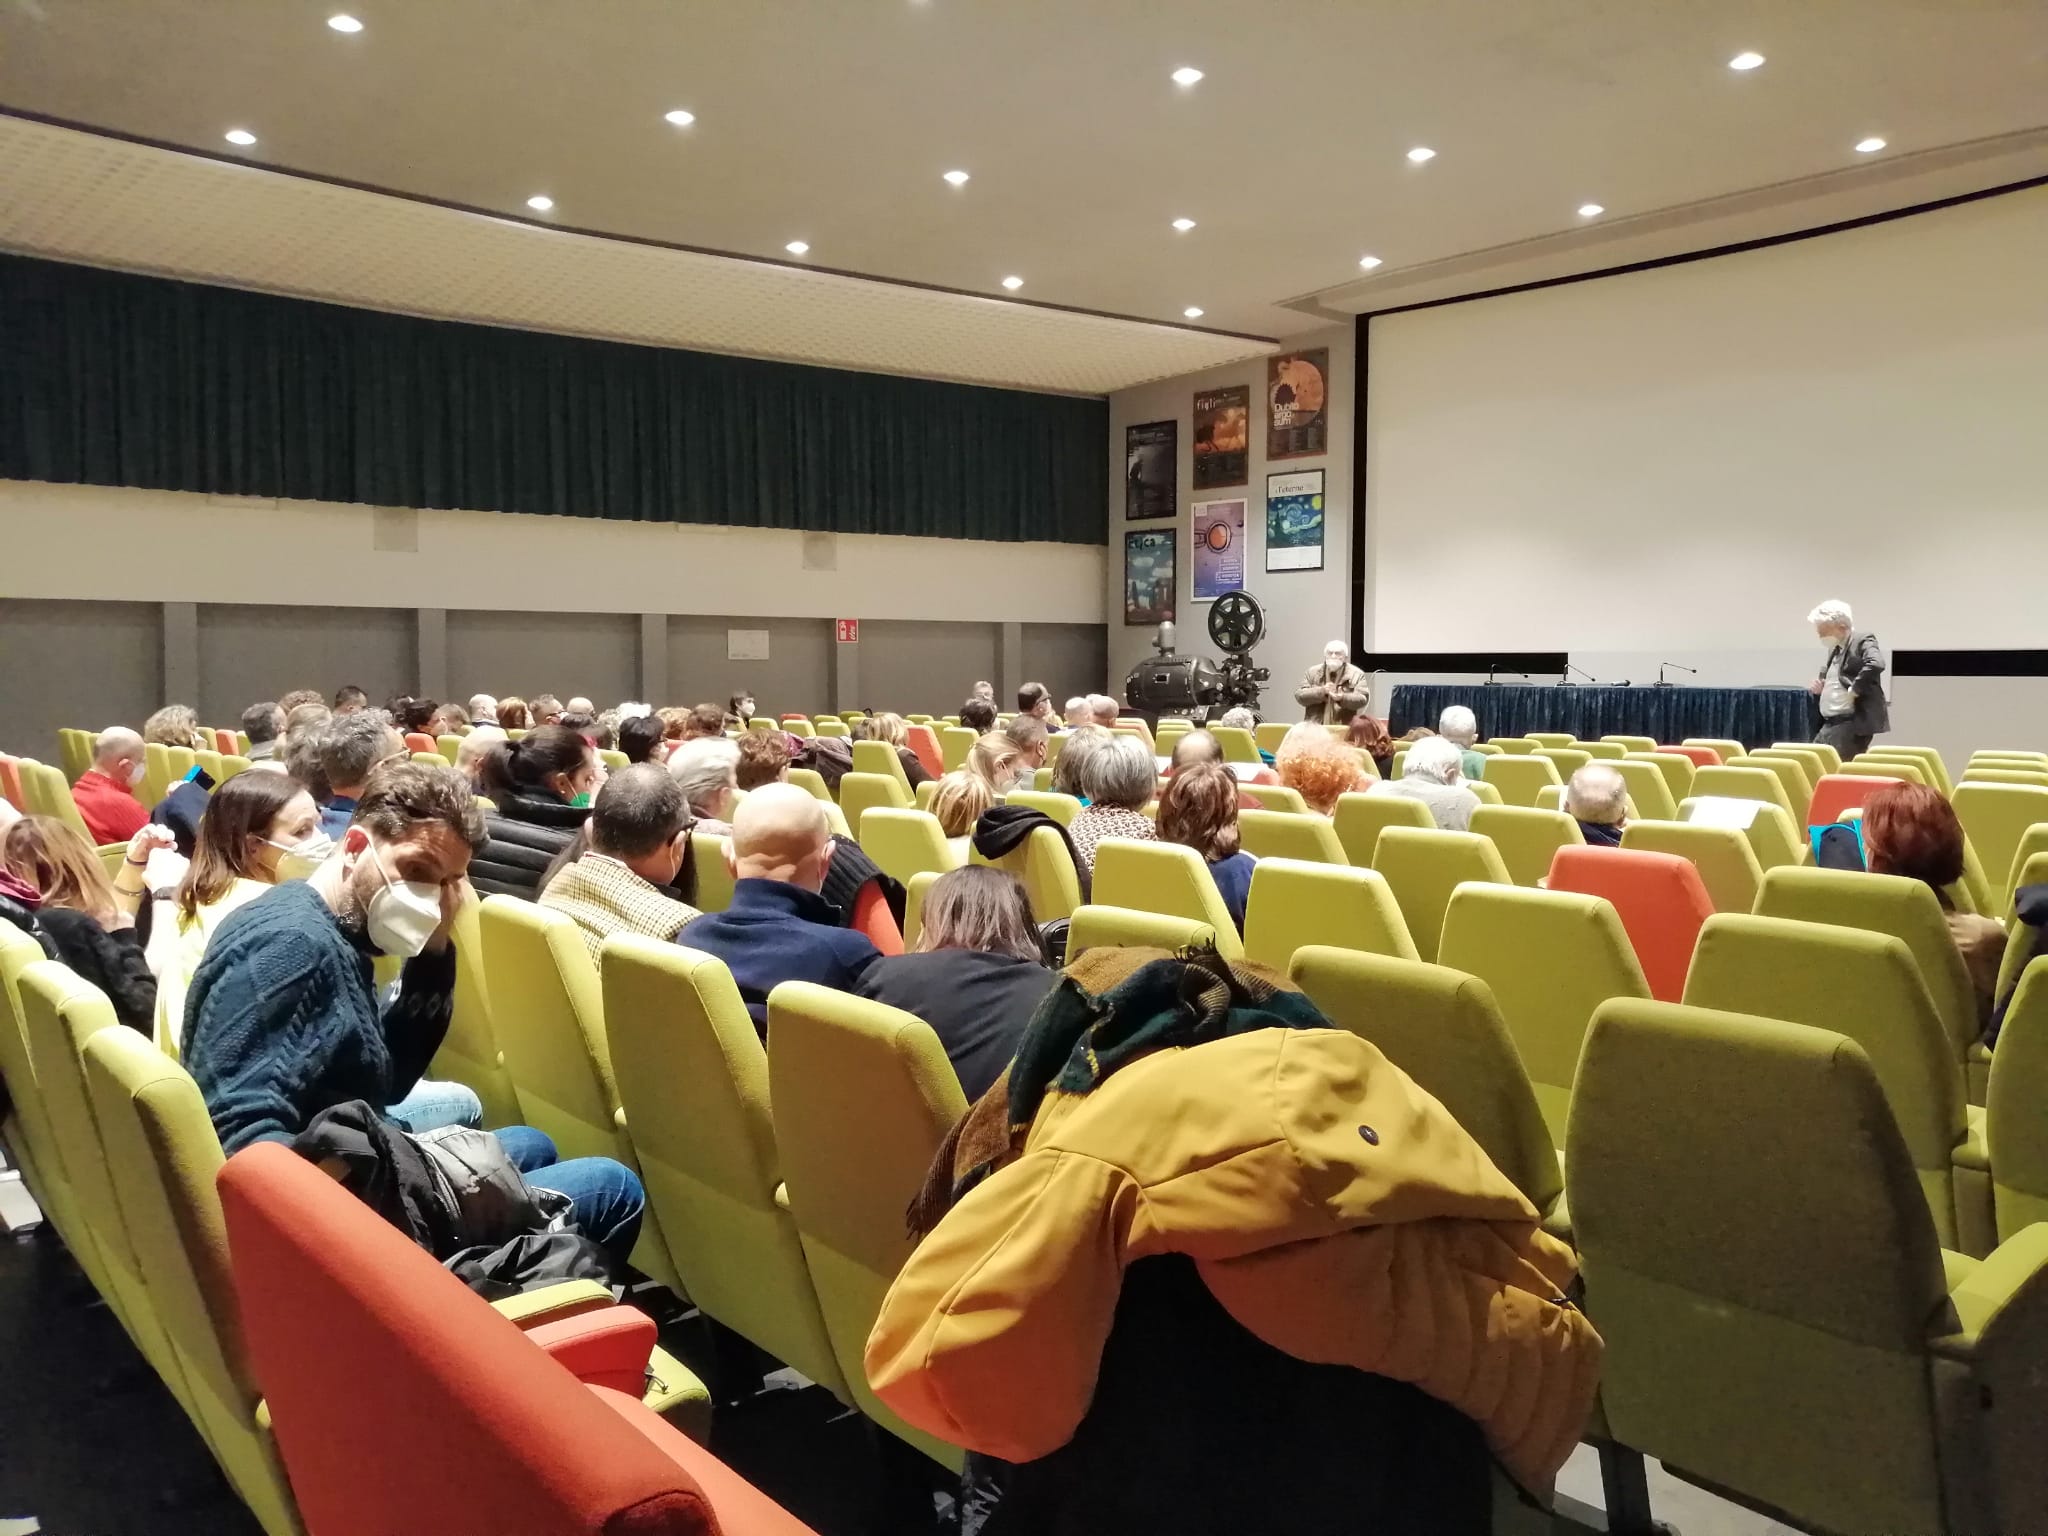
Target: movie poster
[
  {"x": 1298, "y": 404},
  {"x": 1219, "y": 548},
  {"x": 1149, "y": 575},
  {"x": 1294, "y": 521},
  {"x": 1150, "y": 467},
  {"x": 1223, "y": 436}
]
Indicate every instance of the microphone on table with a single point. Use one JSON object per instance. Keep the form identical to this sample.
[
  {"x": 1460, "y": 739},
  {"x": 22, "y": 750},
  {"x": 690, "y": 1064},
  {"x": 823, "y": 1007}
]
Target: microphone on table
[
  {"x": 1662, "y": 682},
  {"x": 1566, "y": 680}
]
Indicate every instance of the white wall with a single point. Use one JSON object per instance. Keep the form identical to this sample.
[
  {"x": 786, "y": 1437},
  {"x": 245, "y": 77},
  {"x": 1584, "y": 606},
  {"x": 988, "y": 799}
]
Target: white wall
[{"x": 1304, "y": 609}]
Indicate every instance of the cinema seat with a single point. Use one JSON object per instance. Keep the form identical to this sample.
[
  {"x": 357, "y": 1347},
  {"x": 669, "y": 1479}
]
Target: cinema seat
[{"x": 1659, "y": 897}]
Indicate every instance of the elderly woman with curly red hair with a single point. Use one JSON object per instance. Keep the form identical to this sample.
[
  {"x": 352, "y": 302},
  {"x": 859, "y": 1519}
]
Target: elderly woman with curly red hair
[
  {"x": 1910, "y": 830},
  {"x": 1320, "y": 766}
]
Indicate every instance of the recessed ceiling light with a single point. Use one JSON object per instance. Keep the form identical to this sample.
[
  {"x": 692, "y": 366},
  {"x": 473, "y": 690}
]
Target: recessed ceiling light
[
  {"x": 241, "y": 136},
  {"x": 1183, "y": 225},
  {"x": 679, "y": 117},
  {"x": 1745, "y": 60},
  {"x": 341, "y": 21},
  {"x": 1420, "y": 153},
  {"x": 1863, "y": 146},
  {"x": 1192, "y": 312},
  {"x": 1590, "y": 210},
  {"x": 797, "y": 248},
  {"x": 540, "y": 202},
  {"x": 1013, "y": 283},
  {"x": 957, "y": 178},
  {"x": 1186, "y": 75},
  {"x": 1368, "y": 262}
]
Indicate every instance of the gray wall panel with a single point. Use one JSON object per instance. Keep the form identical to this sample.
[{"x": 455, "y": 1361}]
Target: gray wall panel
[
  {"x": 75, "y": 664},
  {"x": 250, "y": 652},
  {"x": 796, "y": 677},
  {"x": 499, "y": 653},
  {"x": 924, "y": 667},
  {"x": 1068, "y": 659}
]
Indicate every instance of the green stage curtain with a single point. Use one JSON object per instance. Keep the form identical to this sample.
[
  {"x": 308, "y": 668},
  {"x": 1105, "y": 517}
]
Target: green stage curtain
[{"x": 112, "y": 379}]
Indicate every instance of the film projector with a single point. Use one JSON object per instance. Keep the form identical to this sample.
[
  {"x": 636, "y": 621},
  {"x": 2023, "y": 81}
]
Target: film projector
[{"x": 1194, "y": 687}]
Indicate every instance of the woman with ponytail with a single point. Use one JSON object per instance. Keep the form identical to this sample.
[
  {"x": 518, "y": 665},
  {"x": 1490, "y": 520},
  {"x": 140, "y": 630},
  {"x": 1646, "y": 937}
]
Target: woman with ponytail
[{"x": 541, "y": 786}]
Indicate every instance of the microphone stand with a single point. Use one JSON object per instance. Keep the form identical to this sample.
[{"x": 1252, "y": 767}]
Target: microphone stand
[
  {"x": 1569, "y": 669},
  {"x": 1662, "y": 682}
]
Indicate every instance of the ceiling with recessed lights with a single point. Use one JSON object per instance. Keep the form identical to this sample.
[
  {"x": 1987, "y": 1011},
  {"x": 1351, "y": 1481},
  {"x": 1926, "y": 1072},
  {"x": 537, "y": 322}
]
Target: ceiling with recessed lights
[{"x": 1328, "y": 158}]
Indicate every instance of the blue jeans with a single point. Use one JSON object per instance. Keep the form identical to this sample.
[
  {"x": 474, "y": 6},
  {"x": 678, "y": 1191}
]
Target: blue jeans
[
  {"x": 432, "y": 1105},
  {"x": 605, "y": 1196}
]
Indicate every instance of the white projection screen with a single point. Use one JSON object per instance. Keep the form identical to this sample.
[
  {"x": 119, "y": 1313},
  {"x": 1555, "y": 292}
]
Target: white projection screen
[{"x": 1683, "y": 460}]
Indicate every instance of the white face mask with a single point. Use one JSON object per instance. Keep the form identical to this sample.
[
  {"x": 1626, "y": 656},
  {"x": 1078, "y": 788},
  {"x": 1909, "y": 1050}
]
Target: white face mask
[
  {"x": 297, "y": 861},
  {"x": 403, "y": 915},
  {"x": 134, "y": 771}
]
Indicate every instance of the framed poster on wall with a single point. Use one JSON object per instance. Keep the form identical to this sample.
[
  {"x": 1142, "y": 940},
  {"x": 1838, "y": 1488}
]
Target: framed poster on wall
[
  {"x": 1151, "y": 574},
  {"x": 1223, "y": 436},
  {"x": 1151, "y": 469},
  {"x": 1219, "y": 548},
  {"x": 1294, "y": 521},
  {"x": 1298, "y": 404}
]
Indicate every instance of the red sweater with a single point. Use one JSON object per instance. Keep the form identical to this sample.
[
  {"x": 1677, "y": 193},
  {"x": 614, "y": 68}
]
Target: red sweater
[{"x": 111, "y": 811}]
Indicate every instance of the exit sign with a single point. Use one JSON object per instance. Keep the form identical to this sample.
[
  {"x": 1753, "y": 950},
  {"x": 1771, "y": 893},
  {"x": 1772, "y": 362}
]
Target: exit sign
[{"x": 849, "y": 631}]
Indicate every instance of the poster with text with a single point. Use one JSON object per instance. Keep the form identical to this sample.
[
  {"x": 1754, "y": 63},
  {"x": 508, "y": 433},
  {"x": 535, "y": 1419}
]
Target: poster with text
[
  {"x": 1294, "y": 521},
  {"x": 1150, "y": 469},
  {"x": 1149, "y": 575},
  {"x": 1223, "y": 436},
  {"x": 1219, "y": 548},
  {"x": 1298, "y": 404}
]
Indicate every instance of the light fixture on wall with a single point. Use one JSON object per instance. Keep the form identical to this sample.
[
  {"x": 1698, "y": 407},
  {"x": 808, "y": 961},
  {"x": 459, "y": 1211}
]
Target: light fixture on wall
[
  {"x": 1192, "y": 312},
  {"x": 1186, "y": 76},
  {"x": 1745, "y": 60},
  {"x": 1420, "y": 154},
  {"x": 1590, "y": 210},
  {"x": 679, "y": 117},
  {"x": 1869, "y": 146},
  {"x": 1013, "y": 283},
  {"x": 798, "y": 248},
  {"x": 956, "y": 178},
  {"x": 1368, "y": 262},
  {"x": 1183, "y": 225},
  {"x": 240, "y": 137},
  {"x": 341, "y": 21},
  {"x": 540, "y": 202}
]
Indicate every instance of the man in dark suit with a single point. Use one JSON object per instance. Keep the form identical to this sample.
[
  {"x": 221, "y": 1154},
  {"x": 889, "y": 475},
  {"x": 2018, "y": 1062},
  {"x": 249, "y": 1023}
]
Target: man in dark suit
[{"x": 1851, "y": 682}]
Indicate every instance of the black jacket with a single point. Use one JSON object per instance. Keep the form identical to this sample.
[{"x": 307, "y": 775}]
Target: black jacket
[
  {"x": 976, "y": 1003},
  {"x": 113, "y": 962},
  {"x": 1863, "y": 667},
  {"x": 528, "y": 829}
]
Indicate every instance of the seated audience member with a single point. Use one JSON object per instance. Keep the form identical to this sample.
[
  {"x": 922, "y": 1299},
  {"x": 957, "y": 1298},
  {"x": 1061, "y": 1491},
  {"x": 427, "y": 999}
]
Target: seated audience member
[
  {"x": 1369, "y": 735},
  {"x": 544, "y": 709},
  {"x": 764, "y": 759},
  {"x": 283, "y": 1021},
  {"x": 263, "y": 724},
  {"x": 513, "y": 714},
  {"x": 305, "y": 728},
  {"x": 1033, "y": 743},
  {"x": 1035, "y": 700},
  {"x": 1082, "y": 743},
  {"x": 259, "y": 830},
  {"x": 541, "y": 786},
  {"x": 105, "y": 792},
  {"x": 412, "y": 715},
  {"x": 976, "y": 976},
  {"x": 985, "y": 690},
  {"x": 1432, "y": 775},
  {"x": 705, "y": 721},
  {"x": 1119, "y": 777},
  {"x": 1911, "y": 831},
  {"x": 449, "y": 720},
  {"x": 8, "y": 814},
  {"x": 960, "y": 801},
  {"x": 88, "y": 921},
  {"x": 707, "y": 771},
  {"x": 979, "y": 715},
  {"x": 894, "y": 730},
  {"x": 995, "y": 760},
  {"x": 1417, "y": 733},
  {"x": 1239, "y": 718},
  {"x": 483, "y": 709},
  {"x": 778, "y": 927},
  {"x": 739, "y": 712},
  {"x": 1596, "y": 798},
  {"x": 1318, "y": 766},
  {"x": 1459, "y": 726},
  {"x": 641, "y": 738},
  {"x": 347, "y": 700},
  {"x": 1198, "y": 809},
  {"x": 1105, "y": 710},
  {"x": 175, "y": 725},
  {"x": 299, "y": 698},
  {"x": 1078, "y": 713},
  {"x": 350, "y": 748},
  {"x": 579, "y": 706},
  {"x": 582, "y": 724},
  {"x": 639, "y": 835}
]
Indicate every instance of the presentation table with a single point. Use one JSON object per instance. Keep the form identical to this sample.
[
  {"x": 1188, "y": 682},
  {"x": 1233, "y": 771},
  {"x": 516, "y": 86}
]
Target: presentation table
[{"x": 1756, "y": 717}]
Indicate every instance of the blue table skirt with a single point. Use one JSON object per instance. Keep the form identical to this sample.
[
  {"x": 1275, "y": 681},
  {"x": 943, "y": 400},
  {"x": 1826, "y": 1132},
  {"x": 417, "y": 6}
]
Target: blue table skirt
[{"x": 1756, "y": 717}]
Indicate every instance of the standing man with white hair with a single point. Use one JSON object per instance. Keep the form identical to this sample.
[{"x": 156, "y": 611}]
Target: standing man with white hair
[
  {"x": 1334, "y": 690},
  {"x": 1851, "y": 682},
  {"x": 1433, "y": 775},
  {"x": 1461, "y": 727}
]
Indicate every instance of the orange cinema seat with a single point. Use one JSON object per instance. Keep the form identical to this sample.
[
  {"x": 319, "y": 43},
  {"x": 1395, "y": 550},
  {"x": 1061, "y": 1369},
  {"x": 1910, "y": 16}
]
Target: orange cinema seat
[
  {"x": 1660, "y": 898},
  {"x": 1702, "y": 757},
  {"x": 924, "y": 744},
  {"x": 1840, "y": 792}
]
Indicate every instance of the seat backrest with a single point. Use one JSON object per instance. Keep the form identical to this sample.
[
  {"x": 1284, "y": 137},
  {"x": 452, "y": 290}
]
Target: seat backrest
[
  {"x": 1815, "y": 762},
  {"x": 1661, "y": 901},
  {"x": 829, "y": 725},
  {"x": 1527, "y": 838},
  {"x": 1042, "y": 861},
  {"x": 232, "y": 765},
  {"x": 2033, "y": 842},
  {"x": 1097, "y": 927},
  {"x": 33, "y": 1136},
  {"x": 449, "y": 746},
  {"x": 714, "y": 880},
  {"x": 469, "y": 1051},
  {"x": 1928, "y": 758},
  {"x": 859, "y": 791},
  {"x": 694, "y": 1079},
  {"x": 1361, "y": 817},
  {"x": 955, "y": 742},
  {"x": 1425, "y": 868},
  {"x": 1238, "y": 744},
  {"x": 923, "y": 741},
  {"x": 1612, "y": 751},
  {"x": 1061, "y": 808},
  {"x": 209, "y": 763},
  {"x": 1485, "y": 792},
  {"x": 2016, "y": 1132},
  {"x": 862, "y": 1097},
  {"x": 1912, "y": 771},
  {"x": 1519, "y": 778},
  {"x": 915, "y": 889},
  {"x": 1290, "y": 835},
  {"x": 1745, "y": 783},
  {"x": 1275, "y": 797},
  {"x": 74, "y": 750},
  {"x": 798, "y": 725},
  {"x": 49, "y": 795},
  {"x": 1552, "y": 739},
  {"x": 2034, "y": 776},
  {"x": 903, "y": 843},
  {"x": 1633, "y": 743},
  {"x": 1551, "y": 958},
  {"x": 880, "y": 758},
  {"x": 1727, "y": 865},
  {"x": 1996, "y": 817},
  {"x": 1905, "y": 909},
  {"x": 1163, "y": 877},
  {"x": 1772, "y": 837},
  {"x": 10, "y": 783},
  {"x": 1514, "y": 746},
  {"x": 1268, "y": 734},
  {"x": 372, "y": 1355},
  {"x": 1649, "y": 789},
  {"x": 1567, "y": 760},
  {"x": 1443, "y": 1028},
  {"x": 1705, "y": 1149},
  {"x": 547, "y": 1014},
  {"x": 1723, "y": 747},
  {"x": 1836, "y": 794},
  {"x": 1676, "y": 767},
  {"x": 812, "y": 783},
  {"x": 1791, "y": 776},
  {"x": 923, "y": 796},
  {"x": 1295, "y": 902}
]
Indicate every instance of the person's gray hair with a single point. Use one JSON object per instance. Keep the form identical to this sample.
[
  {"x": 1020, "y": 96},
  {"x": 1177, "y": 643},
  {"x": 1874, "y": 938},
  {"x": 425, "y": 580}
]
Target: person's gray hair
[
  {"x": 1833, "y": 611},
  {"x": 1196, "y": 746},
  {"x": 1239, "y": 719},
  {"x": 1435, "y": 758},
  {"x": 1120, "y": 773},
  {"x": 482, "y": 707},
  {"x": 1599, "y": 794},
  {"x": 632, "y": 709},
  {"x": 1103, "y": 707},
  {"x": 1337, "y": 645},
  {"x": 1459, "y": 724},
  {"x": 349, "y": 746},
  {"x": 263, "y": 722},
  {"x": 705, "y": 767}
]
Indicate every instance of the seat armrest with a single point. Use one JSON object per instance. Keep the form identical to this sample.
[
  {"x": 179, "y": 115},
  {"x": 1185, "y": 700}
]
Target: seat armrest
[
  {"x": 1971, "y": 1151},
  {"x": 566, "y": 1298},
  {"x": 608, "y": 1348},
  {"x": 2005, "y": 1297},
  {"x": 782, "y": 1197}
]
